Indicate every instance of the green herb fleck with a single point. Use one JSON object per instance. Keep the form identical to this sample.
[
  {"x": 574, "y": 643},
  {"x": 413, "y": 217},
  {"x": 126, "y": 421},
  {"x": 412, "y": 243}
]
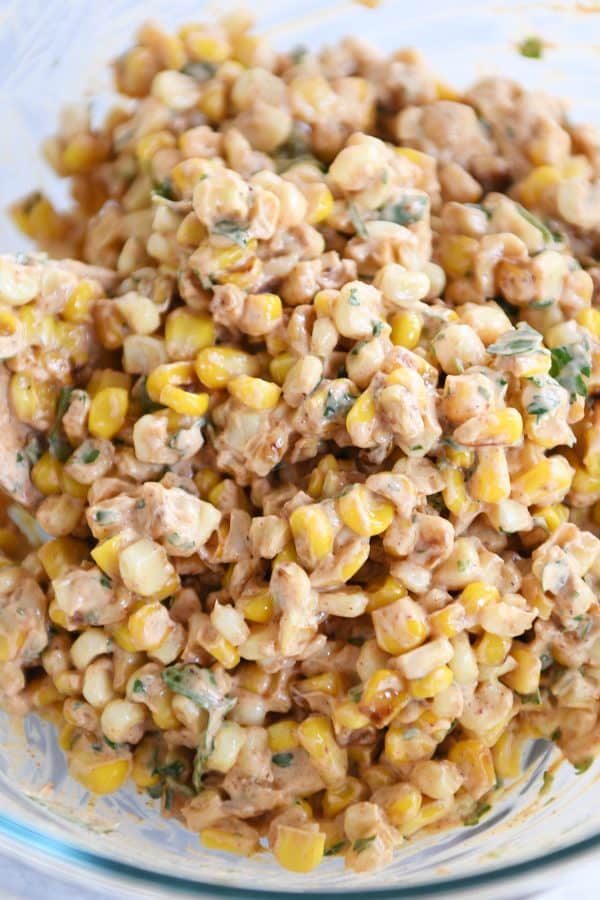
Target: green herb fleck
[
  {"x": 165, "y": 189},
  {"x": 171, "y": 770},
  {"x": 363, "y": 843},
  {"x": 58, "y": 445},
  {"x": 138, "y": 687},
  {"x": 542, "y": 404},
  {"x": 105, "y": 581},
  {"x": 104, "y": 516},
  {"x": 201, "y": 71},
  {"x": 556, "y": 735},
  {"x": 297, "y": 54},
  {"x": 572, "y": 363},
  {"x": 337, "y": 403},
  {"x": 410, "y": 734},
  {"x": 357, "y": 221},
  {"x": 236, "y": 233},
  {"x": 407, "y": 211},
  {"x": 462, "y": 565},
  {"x": 356, "y": 640},
  {"x": 377, "y": 328},
  {"x": 523, "y": 339},
  {"x": 535, "y": 698},
  {"x": 336, "y": 848},
  {"x": 531, "y": 47},
  {"x": 353, "y": 298},
  {"x": 90, "y": 456},
  {"x": 583, "y": 766},
  {"x": 480, "y": 810},
  {"x": 140, "y": 504},
  {"x": 547, "y": 782},
  {"x": 283, "y": 760},
  {"x": 355, "y": 693}
]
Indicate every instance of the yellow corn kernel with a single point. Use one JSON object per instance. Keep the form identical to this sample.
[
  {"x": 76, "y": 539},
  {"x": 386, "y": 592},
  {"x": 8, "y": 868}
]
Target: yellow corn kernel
[
  {"x": 298, "y": 850},
  {"x": 335, "y": 800},
  {"x": 122, "y": 637},
  {"x": 457, "y": 254},
  {"x": 347, "y": 716},
  {"x": 33, "y": 401},
  {"x": 474, "y": 762},
  {"x": 107, "y": 378},
  {"x": 553, "y": 515},
  {"x": 83, "y": 152},
  {"x": 288, "y": 554},
  {"x": 35, "y": 216},
  {"x": 377, "y": 776},
  {"x": 103, "y": 778},
  {"x": 406, "y": 329},
  {"x": 283, "y": 735},
  {"x": 162, "y": 714},
  {"x": 384, "y": 695},
  {"x": 388, "y": 591},
  {"x": 186, "y": 333},
  {"x": 46, "y": 475},
  {"x": 170, "y": 587},
  {"x": 56, "y": 615},
  {"x": 168, "y": 373},
  {"x": 215, "y": 366},
  {"x": 184, "y": 402},
  {"x": 505, "y": 425},
  {"x": 356, "y": 561},
  {"x": 477, "y": 595},
  {"x": 455, "y": 493},
  {"x": 431, "y": 812},
  {"x": 60, "y": 554},
  {"x": 548, "y": 476},
  {"x": 491, "y": 649},
  {"x": 108, "y": 411},
  {"x": 143, "y": 768},
  {"x": 204, "y": 47},
  {"x": 404, "y": 804},
  {"x": 322, "y": 302},
  {"x": 320, "y": 204},
  {"x": 525, "y": 677},
  {"x": 446, "y": 92},
  {"x": 280, "y": 365},
  {"x": 66, "y": 737},
  {"x": 254, "y": 392},
  {"x": 448, "y": 621},
  {"x": 311, "y": 528},
  {"x": 363, "y": 411},
  {"x": 78, "y": 306},
  {"x": 72, "y": 487},
  {"x": 258, "y": 607},
  {"x": 490, "y": 482},
  {"x": 400, "y": 626},
  {"x": 584, "y": 482},
  {"x": 590, "y": 318},
  {"x": 362, "y": 511},
  {"x": 531, "y": 188},
  {"x": 432, "y": 684},
  {"x": 403, "y": 746},
  {"x": 326, "y": 683},
  {"x": 315, "y": 734},
  {"x": 213, "y": 102},
  {"x": 261, "y": 312},
  {"x": 205, "y": 480},
  {"x": 106, "y": 555},
  {"x": 506, "y": 754},
  {"x": 149, "y": 626},
  {"x": 151, "y": 143},
  {"x": 222, "y": 650},
  {"x": 238, "y": 842},
  {"x": 463, "y": 457},
  {"x": 316, "y": 481}
]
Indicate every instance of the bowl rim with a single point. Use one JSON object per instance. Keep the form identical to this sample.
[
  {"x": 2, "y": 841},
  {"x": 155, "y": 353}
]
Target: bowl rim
[{"x": 42, "y": 848}]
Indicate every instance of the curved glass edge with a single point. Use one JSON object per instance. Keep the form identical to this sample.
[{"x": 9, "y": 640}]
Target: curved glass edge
[{"x": 54, "y": 849}]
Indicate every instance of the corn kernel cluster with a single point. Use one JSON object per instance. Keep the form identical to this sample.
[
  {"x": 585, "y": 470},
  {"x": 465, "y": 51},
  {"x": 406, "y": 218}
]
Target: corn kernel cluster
[{"x": 304, "y": 443}]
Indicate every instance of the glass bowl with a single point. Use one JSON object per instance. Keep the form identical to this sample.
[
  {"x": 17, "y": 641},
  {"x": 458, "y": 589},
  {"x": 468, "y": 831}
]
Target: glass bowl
[{"x": 56, "y": 51}]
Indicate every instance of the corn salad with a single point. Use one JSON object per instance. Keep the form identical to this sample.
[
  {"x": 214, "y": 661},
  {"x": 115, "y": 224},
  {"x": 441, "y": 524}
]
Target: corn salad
[{"x": 300, "y": 421}]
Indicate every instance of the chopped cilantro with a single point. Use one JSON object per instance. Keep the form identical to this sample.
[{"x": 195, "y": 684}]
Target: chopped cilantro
[
  {"x": 556, "y": 735},
  {"x": 581, "y": 767},
  {"x": 535, "y": 698},
  {"x": 547, "y": 782},
  {"x": 140, "y": 504},
  {"x": 201, "y": 71},
  {"x": 90, "y": 456},
  {"x": 165, "y": 189},
  {"x": 283, "y": 760},
  {"x": 363, "y": 843},
  {"x": 105, "y": 581},
  {"x": 531, "y": 47},
  {"x": 522, "y": 339},
  {"x": 377, "y": 328},
  {"x": 407, "y": 211},
  {"x": 356, "y": 640},
  {"x": 533, "y": 220},
  {"x": 480, "y": 810},
  {"x": 542, "y": 404},
  {"x": 104, "y": 516},
  {"x": 336, "y": 848},
  {"x": 297, "y": 54},
  {"x": 58, "y": 445},
  {"x": 353, "y": 298},
  {"x": 337, "y": 403},
  {"x": 171, "y": 770},
  {"x": 138, "y": 687},
  {"x": 236, "y": 233},
  {"x": 357, "y": 221},
  {"x": 571, "y": 363},
  {"x": 355, "y": 693}
]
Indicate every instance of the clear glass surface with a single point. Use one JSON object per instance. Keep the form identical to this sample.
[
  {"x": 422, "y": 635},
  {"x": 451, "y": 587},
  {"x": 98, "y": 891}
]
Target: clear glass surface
[{"x": 56, "y": 51}]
